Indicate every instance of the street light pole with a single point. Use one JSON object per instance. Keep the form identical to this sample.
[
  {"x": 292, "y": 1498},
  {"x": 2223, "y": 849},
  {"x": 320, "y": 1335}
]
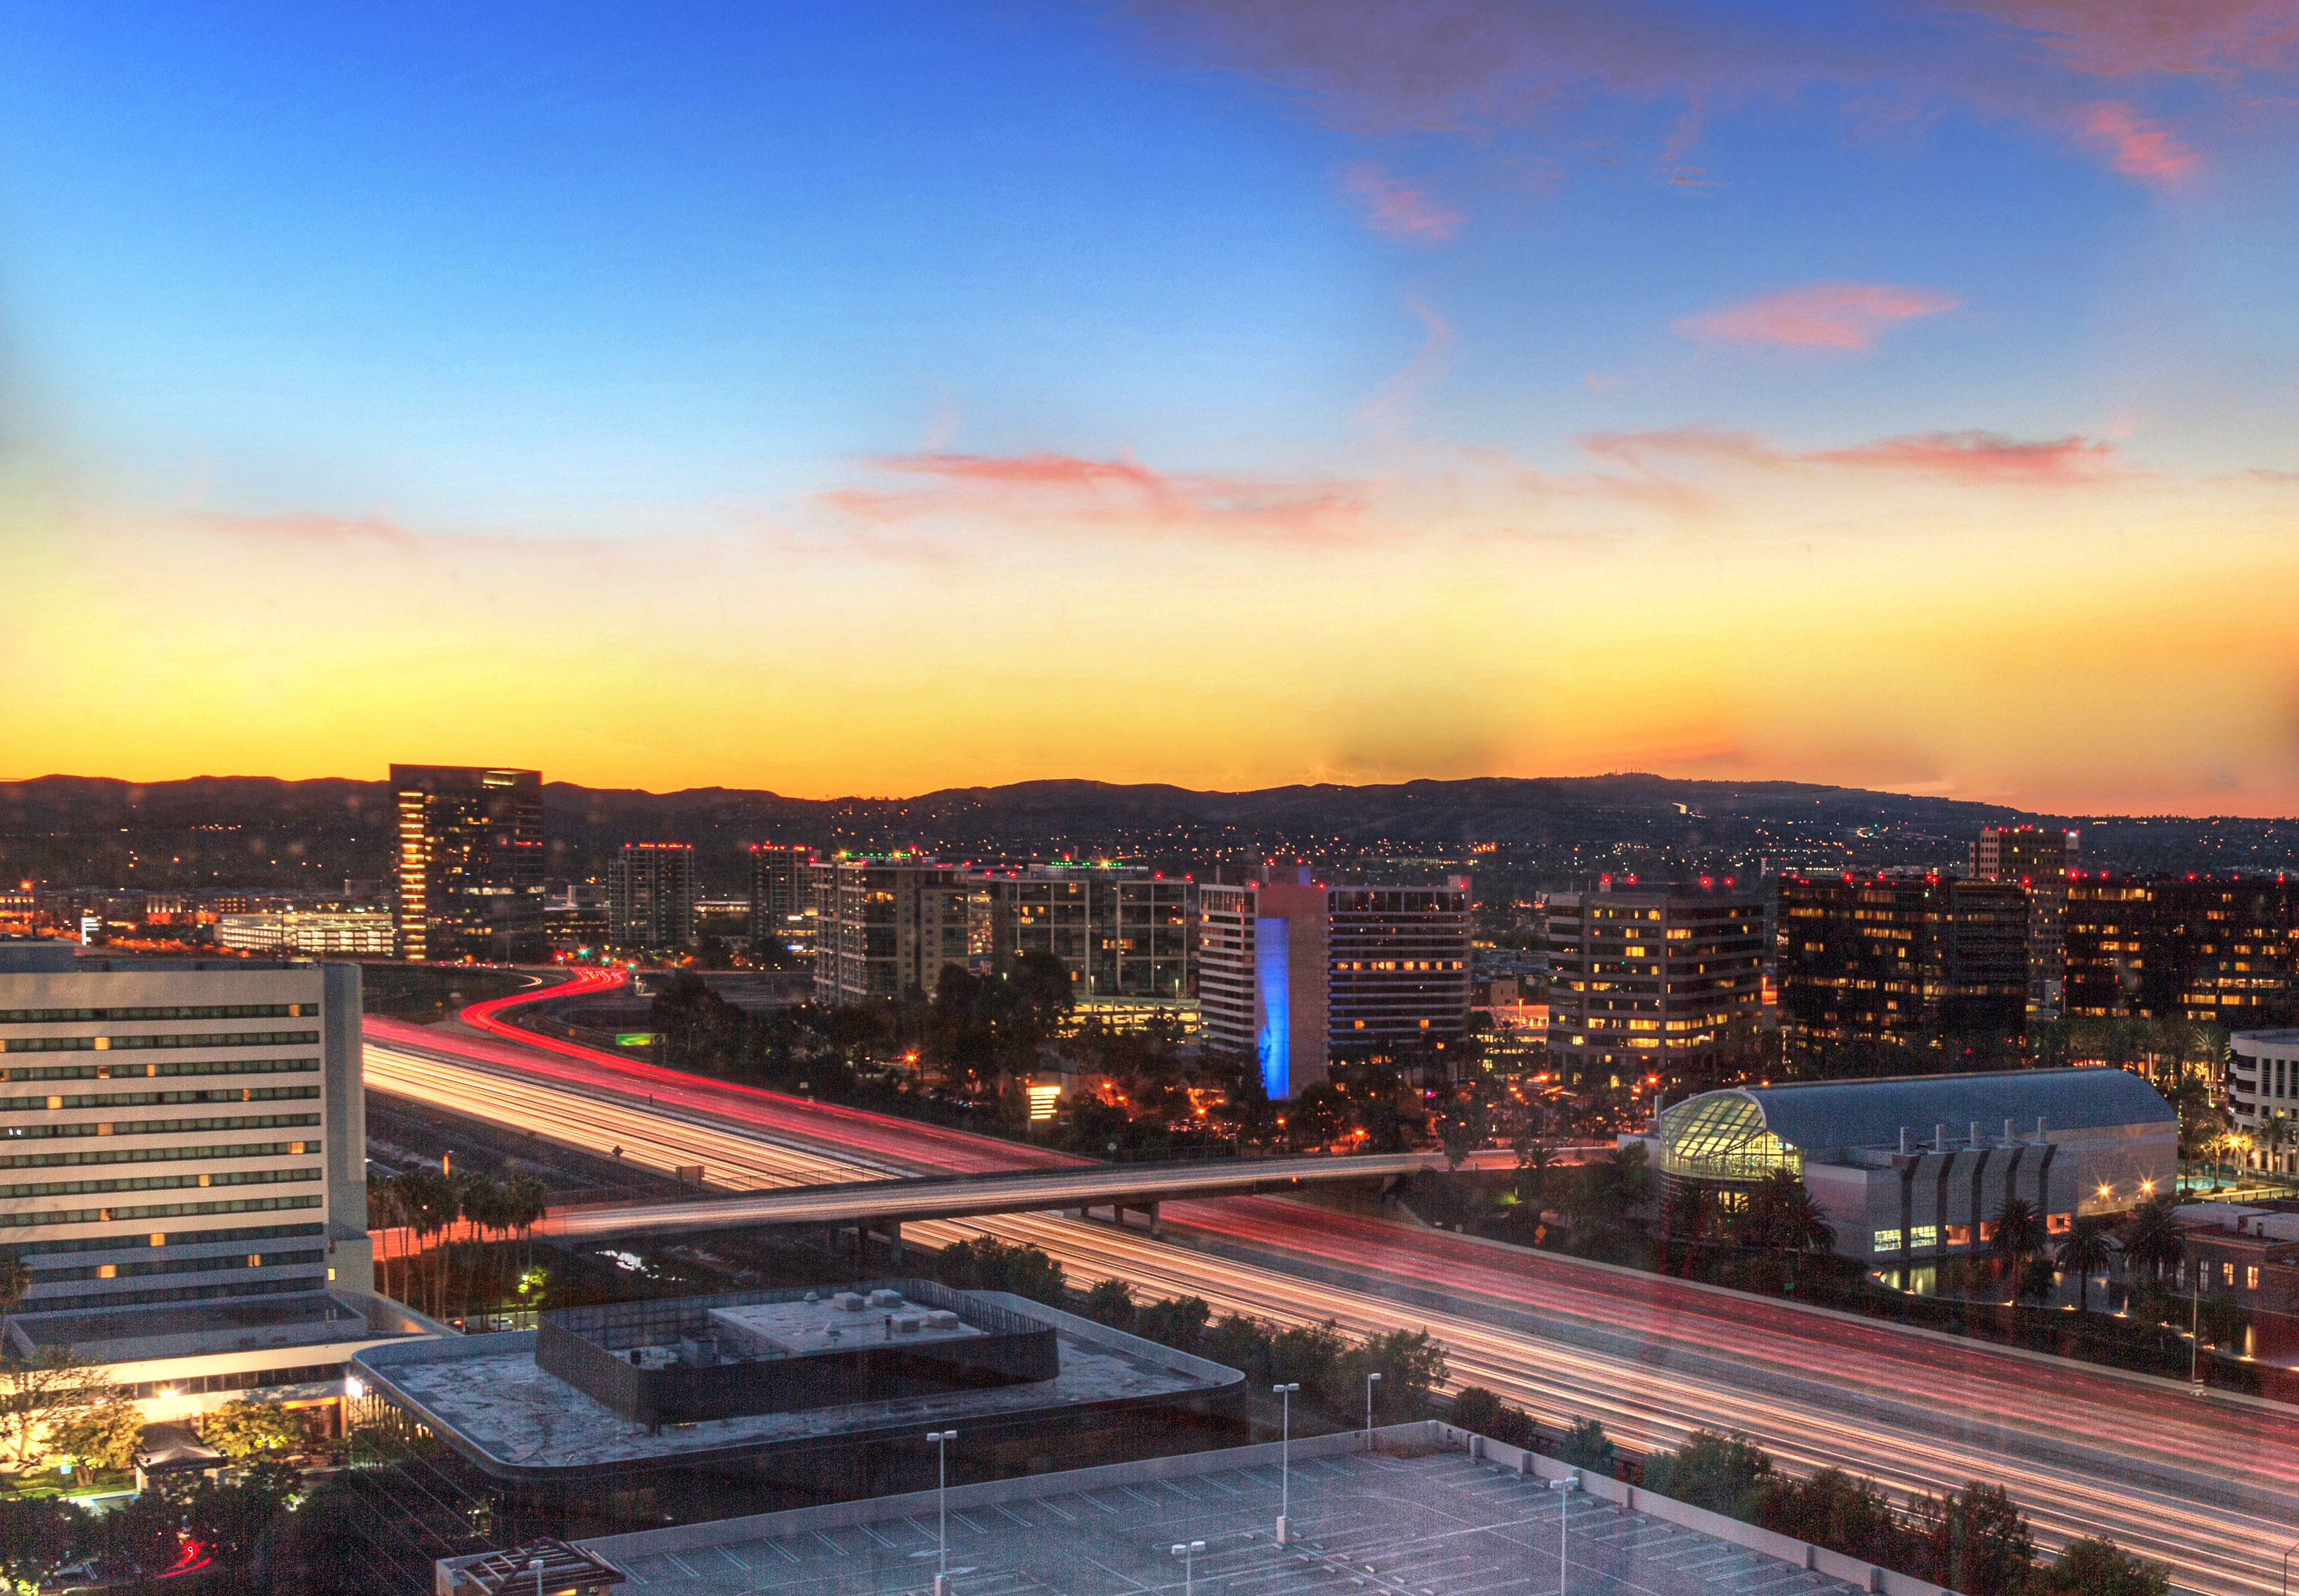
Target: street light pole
[
  {"x": 941, "y": 1440},
  {"x": 535, "y": 1566},
  {"x": 1370, "y": 1379},
  {"x": 1187, "y": 1550},
  {"x": 1564, "y": 1488},
  {"x": 2194, "y": 1332},
  {"x": 1285, "y": 1460}
]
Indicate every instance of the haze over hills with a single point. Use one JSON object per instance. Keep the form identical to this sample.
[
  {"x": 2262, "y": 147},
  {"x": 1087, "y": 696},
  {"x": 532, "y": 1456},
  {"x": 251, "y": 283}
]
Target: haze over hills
[{"x": 259, "y": 831}]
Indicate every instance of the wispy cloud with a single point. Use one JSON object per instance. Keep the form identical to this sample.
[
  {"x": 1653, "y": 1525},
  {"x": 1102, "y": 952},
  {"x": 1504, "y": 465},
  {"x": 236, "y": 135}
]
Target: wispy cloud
[
  {"x": 1060, "y": 492},
  {"x": 1394, "y": 207},
  {"x": 1966, "y": 456},
  {"x": 1385, "y": 410},
  {"x": 308, "y": 529},
  {"x": 1841, "y": 316},
  {"x": 2135, "y": 144},
  {"x": 2120, "y": 38}
]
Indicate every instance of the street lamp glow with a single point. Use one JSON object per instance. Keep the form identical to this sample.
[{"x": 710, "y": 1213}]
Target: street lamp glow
[{"x": 1370, "y": 1379}]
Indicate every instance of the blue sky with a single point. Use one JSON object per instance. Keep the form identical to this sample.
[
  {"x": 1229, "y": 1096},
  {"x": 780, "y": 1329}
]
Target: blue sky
[{"x": 1176, "y": 301}]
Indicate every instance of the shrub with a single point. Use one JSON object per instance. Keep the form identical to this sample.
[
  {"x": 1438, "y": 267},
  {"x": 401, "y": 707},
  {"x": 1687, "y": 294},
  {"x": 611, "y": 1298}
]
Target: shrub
[
  {"x": 1481, "y": 1413},
  {"x": 1111, "y": 1302},
  {"x": 986, "y": 1263},
  {"x": 1177, "y": 1322},
  {"x": 2099, "y": 1568},
  {"x": 1833, "y": 1510},
  {"x": 1719, "y": 1472},
  {"x": 1975, "y": 1541},
  {"x": 1587, "y": 1446}
]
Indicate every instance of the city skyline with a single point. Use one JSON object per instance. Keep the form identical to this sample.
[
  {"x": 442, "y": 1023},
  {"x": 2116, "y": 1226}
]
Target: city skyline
[{"x": 1229, "y": 396}]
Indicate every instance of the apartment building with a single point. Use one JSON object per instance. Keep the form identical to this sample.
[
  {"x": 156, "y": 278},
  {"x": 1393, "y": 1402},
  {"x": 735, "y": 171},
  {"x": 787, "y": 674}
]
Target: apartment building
[
  {"x": 650, "y": 893},
  {"x": 782, "y": 894},
  {"x": 2038, "y": 860},
  {"x": 885, "y": 925},
  {"x": 2162, "y": 947},
  {"x": 1905, "y": 959},
  {"x": 1121, "y": 931}
]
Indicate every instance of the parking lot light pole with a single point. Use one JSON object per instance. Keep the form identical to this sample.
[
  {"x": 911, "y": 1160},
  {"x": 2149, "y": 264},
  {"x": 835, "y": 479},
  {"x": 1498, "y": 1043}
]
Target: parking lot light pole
[
  {"x": 1285, "y": 1460},
  {"x": 1564, "y": 1488},
  {"x": 941, "y": 1440},
  {"x": 1187, "y": 1550},
  {"x": 1370, "y": 1379}
]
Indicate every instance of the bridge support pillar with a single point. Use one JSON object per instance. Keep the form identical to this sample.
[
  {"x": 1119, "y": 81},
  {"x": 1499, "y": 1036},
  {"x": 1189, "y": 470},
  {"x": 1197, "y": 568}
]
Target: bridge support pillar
[
  {"x": 1152, "y": 1212},
  {"x": 894, "y": 1242}
]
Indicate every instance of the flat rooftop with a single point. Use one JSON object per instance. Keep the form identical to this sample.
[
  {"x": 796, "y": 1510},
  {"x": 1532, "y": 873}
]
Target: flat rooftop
[
  {"x": 796, "y": 1329},
  {"x": 489, "y": 1397},
  {"x": 1432, "y": 1524},
  {"x": 227, "y": 1325}
]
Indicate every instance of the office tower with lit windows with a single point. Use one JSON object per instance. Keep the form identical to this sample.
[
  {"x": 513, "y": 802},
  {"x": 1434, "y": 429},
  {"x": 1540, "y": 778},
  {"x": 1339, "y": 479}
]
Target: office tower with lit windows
[
  {"x": 1299, "y": 975},
  {"x": 1121, "y": 931},
  {"x": 886, "y": 925},
  {"x": 782, "y": 894},
  {"x": 1912, "y": 960},
  {"x": 185, "y": 1171},
  {"x": 470, "y": 863},
  {"x": 2221, "y": 948},
  {"x": 650, "y": 895},
  {"x": 1655, "y": 980},
  {"x": 2036, "y": 859}
]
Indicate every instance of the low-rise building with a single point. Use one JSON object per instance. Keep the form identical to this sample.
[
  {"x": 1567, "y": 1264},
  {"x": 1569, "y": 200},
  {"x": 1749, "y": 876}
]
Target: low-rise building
[
  {"x": 319, "y": 933},
  {"x": 2264, "y": 1095},
  {"x": 1913, "y": 1169}
]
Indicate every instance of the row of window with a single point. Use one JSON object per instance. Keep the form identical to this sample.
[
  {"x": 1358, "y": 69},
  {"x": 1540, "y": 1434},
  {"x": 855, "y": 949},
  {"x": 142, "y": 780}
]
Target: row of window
[
  {"x": 79, "y": 1128},
  {"x": 167, "y": 1238},
  {"x": 181, "y": 1066},
  {"x": 213, "y": 1011},
  {"x": 185, "y": 1293},
  {"x": 155, "y": 1211},
  {"x": 46, "y": 1161},
  {"x": 246, "y": 1379},
  {"x": 156, "y": 1183},
  {"x": 177, "y": 1265},
  {"x": 1922, "y": 1236},
  {"x": 138, "y": 1099},
  {"x": 234, "y": 1038}
]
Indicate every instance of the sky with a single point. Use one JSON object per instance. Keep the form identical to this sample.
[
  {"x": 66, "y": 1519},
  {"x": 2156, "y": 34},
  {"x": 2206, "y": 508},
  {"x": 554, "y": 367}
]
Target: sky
[{"x": 877, "y": 398}]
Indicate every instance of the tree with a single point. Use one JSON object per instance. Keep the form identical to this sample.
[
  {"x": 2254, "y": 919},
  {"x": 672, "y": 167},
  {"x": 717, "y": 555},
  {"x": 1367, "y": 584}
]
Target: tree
[
  {"x": 1463, "y": 1131},
  {"x": 2100, "y": 1568},
  {"x": 1833, "y": 1510},
  {"x": 36, "y": 1533},
  {"x": 2084, "y": 1253},
  {"x": 2220, "y": 1321},
  {"x": 986, "y": 1263},
  {"x": 15, "y": 1280},
  {"x": 526, "y": 1203},
  {"x": 1782, "y": 1214},
  {"x": 1587, "y": 1446},
  {"x": 1111, "y": 1302},
  {"x": 246, "y": 1429},
  {"x": 2019, "y": 1237},
  {"x": 104, "y": 1436},
  {"x": 1719, "y": 1472},
  {"x": 52, "y": 1388},
  {"x": 2152, "y": 1239},
  {"x": 1177, "y": 1322},
  {"x": 1974, "y": 1541},
  {"x": 1411, "y": 1364},
  {"x": 1481, "y": 1413}
]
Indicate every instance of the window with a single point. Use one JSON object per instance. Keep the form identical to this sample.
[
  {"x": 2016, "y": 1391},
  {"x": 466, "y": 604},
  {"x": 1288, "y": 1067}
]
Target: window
[
  {"x": 2251, "y": 1278},
  {"x": 1887, "y": 1241},
  {"x": 2059, "y": 1224},
  {"x": 1924, "y": 1235},
  {"x": 2226, "y": 1274}
]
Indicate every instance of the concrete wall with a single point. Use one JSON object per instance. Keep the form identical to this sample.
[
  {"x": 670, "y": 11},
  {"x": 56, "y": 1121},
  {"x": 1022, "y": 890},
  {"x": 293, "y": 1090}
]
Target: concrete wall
[{"x": 350, "y": 1256}]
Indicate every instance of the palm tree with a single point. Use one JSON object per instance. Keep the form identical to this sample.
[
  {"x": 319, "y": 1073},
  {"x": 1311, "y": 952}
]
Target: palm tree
[
  {"x": 2085, "y": 1253},
  {"x": 2275, "y": 1136},
  {"x": 2151, "y": 1237},
  {"x": 526, "y": 1200},
  {"x": 2019, "y": 1237}
]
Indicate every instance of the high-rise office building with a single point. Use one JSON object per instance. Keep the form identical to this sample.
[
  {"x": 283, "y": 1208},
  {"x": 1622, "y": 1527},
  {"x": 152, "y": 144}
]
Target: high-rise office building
[
  {"x": 650, "y": 895},
  {"x": 886, "y": 925},
  {"x": 782, "y": 894},
  {"x": 2218, "y": 948},
  {"x": 470, "y": 863},
  {"x": 2038, "y": 860},
  {"x": 1121, "y": 931},
  {"x": 1655, "y": 980},
  {"x": 1297, "y": 974},
  {"x": 186, "y": 1170},
  {"x": 1905, "y": 959}
]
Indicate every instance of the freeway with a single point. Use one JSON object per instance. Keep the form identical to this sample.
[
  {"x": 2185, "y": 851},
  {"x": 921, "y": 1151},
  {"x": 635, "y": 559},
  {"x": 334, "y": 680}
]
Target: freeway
[{"x": 2209, "y": 1487}]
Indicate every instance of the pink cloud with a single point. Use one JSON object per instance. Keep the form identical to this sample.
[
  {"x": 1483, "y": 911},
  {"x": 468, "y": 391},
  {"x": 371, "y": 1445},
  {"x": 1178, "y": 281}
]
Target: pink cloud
[
  {"x": 1394, "y": 207},
  {"x": 1847, "y": 315},
  {"x": 1385, "y": 409},
  {"x": 309, "y": 528},
  {"x": 1063, "y": 491},
  {"x": 2142, "y": 148},
  {"x": 1481, "y": 67},
  {"x": 1968, "y": 456},
  {"x": 2122, "y": 38}
]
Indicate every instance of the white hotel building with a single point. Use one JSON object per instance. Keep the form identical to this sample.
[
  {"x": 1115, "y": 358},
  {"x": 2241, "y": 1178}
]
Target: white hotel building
[{"x": 182, "y": 1168}]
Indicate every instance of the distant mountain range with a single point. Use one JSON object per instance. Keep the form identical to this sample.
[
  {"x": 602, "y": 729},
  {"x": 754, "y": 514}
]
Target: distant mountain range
[{"x": 259, "y": 831}]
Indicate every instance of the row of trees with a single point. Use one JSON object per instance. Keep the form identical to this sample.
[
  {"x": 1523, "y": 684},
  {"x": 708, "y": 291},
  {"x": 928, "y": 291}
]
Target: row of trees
[
  {"x": 1974, "y": 1540},
  {"x": 431, "y": 1205},
  {"x": 178, "y": 1523}
]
